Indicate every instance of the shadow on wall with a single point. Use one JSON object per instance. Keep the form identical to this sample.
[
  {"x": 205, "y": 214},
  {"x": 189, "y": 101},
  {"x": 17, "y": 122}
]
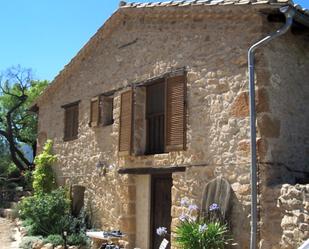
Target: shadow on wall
[
  {"x": 284, "y": 126},
  {"x": 239, "y": 222}
]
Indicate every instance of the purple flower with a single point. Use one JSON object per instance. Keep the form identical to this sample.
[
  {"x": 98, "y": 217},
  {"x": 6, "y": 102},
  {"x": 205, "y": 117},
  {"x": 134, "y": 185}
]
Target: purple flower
[
  {"x": 184, "y": 202},
  {"x": 202, "y": 228},
  {"x": 183, "y": 217},
  {"x": 193, "y": 207},
  {"x": 161, "y": 231},
  {"x": 214, "y": 207}
]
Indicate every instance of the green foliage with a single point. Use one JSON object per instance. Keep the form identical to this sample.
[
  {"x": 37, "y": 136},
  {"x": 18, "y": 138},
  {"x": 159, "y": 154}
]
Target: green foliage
[
  {"x": 5, "y": 162},
  {"x": 43, "y": 176},
  {"x": 54, "y": 239},
  {"x": 28, "y": 241},
  {"x": 78, "y": 239},
  {"x": 18, "y": 126},
  {"x": 12, "y": 171},
  {"x": 28, "y": 179},
  {"x": 209, "y": 232},
  {"x": 202, "y": 235},
  {"x": 27, "y": 124},
  {"x": 187, "y": 235},
  {"x": 45, "y": 212}
]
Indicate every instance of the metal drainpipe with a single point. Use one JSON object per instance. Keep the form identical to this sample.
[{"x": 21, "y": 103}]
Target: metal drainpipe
[{"x": 289, "y": 13}]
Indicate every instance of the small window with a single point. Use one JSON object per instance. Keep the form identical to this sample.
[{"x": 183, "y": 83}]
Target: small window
[
  {"x": 70, "y": 121},
  {"x": 155, "y": 116},
  {"x": 107, "y": 107},
  {"x": 101, "y": 112}
]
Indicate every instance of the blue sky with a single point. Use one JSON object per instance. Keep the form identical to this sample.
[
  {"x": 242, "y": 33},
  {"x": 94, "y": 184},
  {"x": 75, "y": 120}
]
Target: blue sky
[{"x": 46, "y": 34}]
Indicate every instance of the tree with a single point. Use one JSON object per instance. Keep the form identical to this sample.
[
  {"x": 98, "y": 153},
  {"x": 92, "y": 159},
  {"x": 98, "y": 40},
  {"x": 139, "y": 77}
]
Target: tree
[{"x": 17, "y": 124}]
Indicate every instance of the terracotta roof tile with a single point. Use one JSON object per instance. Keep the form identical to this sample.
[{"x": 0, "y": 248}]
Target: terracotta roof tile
[
  {"x": 124, "y": 4},
  {"x": 204, "y": 2}
]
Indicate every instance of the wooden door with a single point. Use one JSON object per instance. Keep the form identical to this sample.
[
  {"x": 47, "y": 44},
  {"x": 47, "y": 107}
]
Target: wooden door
[{"x": 160, "y": 208}]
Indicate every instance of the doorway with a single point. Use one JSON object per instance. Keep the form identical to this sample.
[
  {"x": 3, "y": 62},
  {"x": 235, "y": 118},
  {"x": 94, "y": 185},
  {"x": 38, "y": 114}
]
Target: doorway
[{"x": 161, "y": 202}]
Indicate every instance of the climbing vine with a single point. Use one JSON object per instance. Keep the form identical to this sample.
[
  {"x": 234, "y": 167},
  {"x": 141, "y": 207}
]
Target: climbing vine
[{"x": 43, "y": 176}]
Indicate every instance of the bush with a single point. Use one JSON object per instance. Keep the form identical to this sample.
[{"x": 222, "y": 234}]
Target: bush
[
  {"x": 13, "y": 171},
  {"x": 54, "y": 239},
  {"x": 44, "y": 212},
  {"x": 28, "y": 180},
  {"x": 77, "y": 239},
  {"x": 28, "y": 241},
  {"x": 43, "y": 176},
  {"x": 200, "y": 235}
]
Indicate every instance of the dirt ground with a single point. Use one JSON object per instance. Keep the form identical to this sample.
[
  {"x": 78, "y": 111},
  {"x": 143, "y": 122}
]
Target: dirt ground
[{"x": 9, "y": 238}]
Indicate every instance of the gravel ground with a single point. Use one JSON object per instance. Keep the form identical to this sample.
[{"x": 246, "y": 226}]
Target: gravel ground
[{"x": 9, "y": 235}]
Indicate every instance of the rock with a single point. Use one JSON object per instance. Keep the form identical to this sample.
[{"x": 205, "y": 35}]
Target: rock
[
  {"x": 59, "y": 247},
  {"x": 38, "y": 244},
  {"x": 240, "y": 106},
  {"x": 48, "y": 246},
  {"x": 23, "y": 231},
  {"x": 288, "y": 222},
  {"x": 73, "y": 247}
]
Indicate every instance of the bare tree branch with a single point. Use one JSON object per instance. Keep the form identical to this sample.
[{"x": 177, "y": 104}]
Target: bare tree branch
[{"x": 15, "y": 83}]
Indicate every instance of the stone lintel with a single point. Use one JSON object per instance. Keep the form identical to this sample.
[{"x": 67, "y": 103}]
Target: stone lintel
[{"x": 151, "y": 170}]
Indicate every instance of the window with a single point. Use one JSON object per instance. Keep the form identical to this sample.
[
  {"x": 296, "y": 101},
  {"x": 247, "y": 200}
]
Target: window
[
  {"x": 70, "y": 121},
  {"x": 155, "y": 116},
  {"x": 101, "y": 110},
  {"x": 164, "y": 117}
]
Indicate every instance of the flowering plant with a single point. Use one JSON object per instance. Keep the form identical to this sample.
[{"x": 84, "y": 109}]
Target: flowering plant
[
  {"x": 201, "y": 233},
  {"x": 161, "y": 231}
]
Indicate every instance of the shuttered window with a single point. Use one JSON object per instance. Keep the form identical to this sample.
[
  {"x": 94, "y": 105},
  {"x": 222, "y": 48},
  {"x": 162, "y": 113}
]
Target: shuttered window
[
  {"x": 70, "y": 121},
  {"x": 125, "y": 126},
  {"x": 101, "y": 111},
  {"x": 165, "y": 116},
  {"x": 175, "y": 120}
]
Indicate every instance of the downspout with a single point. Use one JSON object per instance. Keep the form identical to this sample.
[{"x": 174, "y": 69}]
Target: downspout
[{"x": 289, "y": 14}]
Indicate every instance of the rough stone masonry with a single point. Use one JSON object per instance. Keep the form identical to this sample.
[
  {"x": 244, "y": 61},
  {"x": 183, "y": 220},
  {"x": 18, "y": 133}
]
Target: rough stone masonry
[{"x": 211, "y": 43}]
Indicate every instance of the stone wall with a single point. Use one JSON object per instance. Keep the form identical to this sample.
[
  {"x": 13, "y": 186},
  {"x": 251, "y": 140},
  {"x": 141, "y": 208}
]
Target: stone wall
[
  {"x": 294, "y": 205},
  {"x": 212, "y": 45},
  {"x": 282, "y": 126}
]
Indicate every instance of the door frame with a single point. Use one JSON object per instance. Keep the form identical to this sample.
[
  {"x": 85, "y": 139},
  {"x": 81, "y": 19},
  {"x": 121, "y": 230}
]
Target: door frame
[{"x": 153, "y": 177}]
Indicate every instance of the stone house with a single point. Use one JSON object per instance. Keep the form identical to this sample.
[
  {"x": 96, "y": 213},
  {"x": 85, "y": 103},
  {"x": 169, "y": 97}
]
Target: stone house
[{"x": 155, "y": 106}]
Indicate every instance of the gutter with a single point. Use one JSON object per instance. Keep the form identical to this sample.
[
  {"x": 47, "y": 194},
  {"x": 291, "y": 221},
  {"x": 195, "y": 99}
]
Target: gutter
[{"x": 289, "y": 13}]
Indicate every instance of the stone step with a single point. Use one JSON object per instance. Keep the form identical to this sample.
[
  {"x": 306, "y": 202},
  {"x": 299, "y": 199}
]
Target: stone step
[
  {"x": 12, "y": 204},
  {"x": 7, "y": 213},
  {"x": 9, "y": 204}
]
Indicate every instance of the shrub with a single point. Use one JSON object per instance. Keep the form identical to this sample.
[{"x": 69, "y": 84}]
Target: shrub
[
  {"x": 73, "y": 224},
  {"x": 76, "y": 239},
  {"x": 200, "y": 235},
  {"x": 13, "y": 171},
  {"x": 43, "y": 177},
  {"x": 28, "y": 241},
  {"x": 28, "y": 180},
  {"x": 209, "y": 232},
  {"x": 44, "y": 212},
  {"x": 54, "y": 239}
]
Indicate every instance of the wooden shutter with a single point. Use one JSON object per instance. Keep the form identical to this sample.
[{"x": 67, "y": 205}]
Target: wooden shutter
[
  {"x": 94, "y": 112},
  {"x": 217, "y": 191},
  {"x": 125, "y": 126},
  {"x": 75, "y": 121},
  {"x": 175, "y": 120},
  {"x": 68, "y": 117}
]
